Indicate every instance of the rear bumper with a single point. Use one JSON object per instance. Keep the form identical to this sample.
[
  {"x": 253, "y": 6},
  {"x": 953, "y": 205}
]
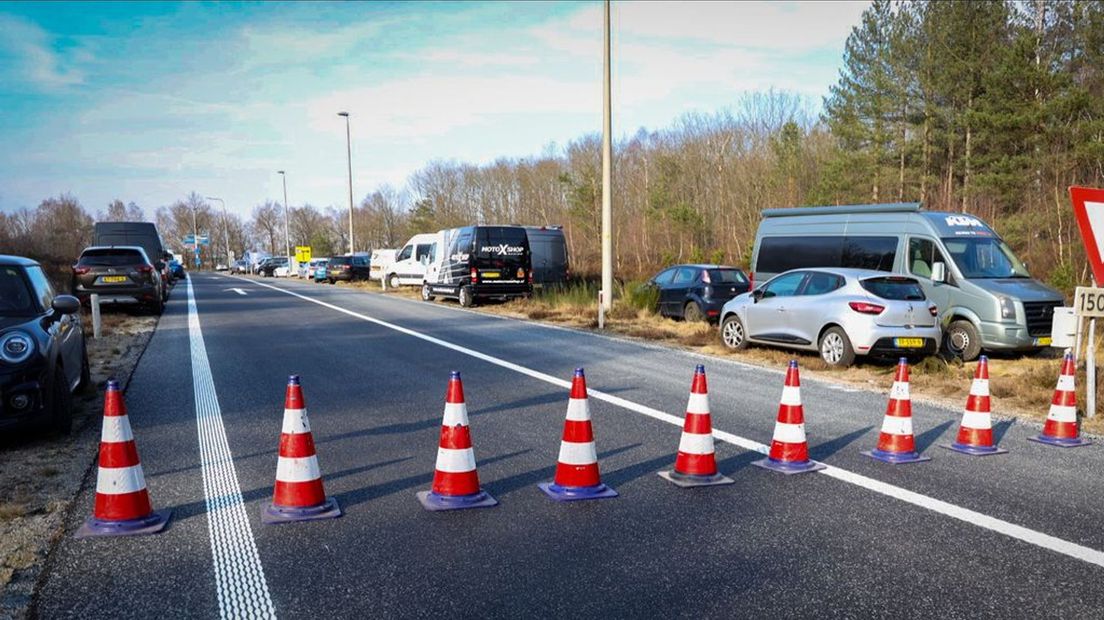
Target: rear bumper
[
  {"x": 119, "y": 294},
  {"x": 887, "y": 347},
  {"x": 501, "y": 289},
  {"x": 878, "y": 340}
]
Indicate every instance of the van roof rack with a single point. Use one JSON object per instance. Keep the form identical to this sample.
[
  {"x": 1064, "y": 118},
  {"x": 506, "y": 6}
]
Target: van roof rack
[{"x": 892, "y": 207}]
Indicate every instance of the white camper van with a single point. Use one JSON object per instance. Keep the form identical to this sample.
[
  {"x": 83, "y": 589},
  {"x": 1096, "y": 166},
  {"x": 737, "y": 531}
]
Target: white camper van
[{"x": 410, "y": 263}]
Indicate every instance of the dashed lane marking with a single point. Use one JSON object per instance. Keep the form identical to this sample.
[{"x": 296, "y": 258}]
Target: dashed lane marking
[
  {"x": 1046, "y": 541},
  {"x": 239, "y": 577}
]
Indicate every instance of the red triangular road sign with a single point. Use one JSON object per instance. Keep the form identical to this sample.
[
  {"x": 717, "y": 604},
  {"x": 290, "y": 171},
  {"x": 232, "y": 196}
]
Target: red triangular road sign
[{"x": 1088, "y": 207}]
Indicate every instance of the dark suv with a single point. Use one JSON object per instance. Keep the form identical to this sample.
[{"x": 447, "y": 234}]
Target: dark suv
[
  {"x": 42, "y": 355},
  {"x": 348, "y": 268},
  {"x": 697, "y": 292},
  {"x": 119, "y": 275}
]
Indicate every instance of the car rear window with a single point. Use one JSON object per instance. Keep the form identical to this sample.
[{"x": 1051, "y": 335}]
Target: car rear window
[
  {"x": 899, "y": 289},
  {"x": 111, "y": 257},
  {"x": 340, "y": 261},
  {"x": 727, "y": 276}
]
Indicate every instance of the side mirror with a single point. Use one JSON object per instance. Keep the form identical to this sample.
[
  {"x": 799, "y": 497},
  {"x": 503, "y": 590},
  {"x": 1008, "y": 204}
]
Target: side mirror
[
  {"x": 939, "y": 272},
  {"x": 756, "y": 295},
  {"x": 66, "y": 304}
]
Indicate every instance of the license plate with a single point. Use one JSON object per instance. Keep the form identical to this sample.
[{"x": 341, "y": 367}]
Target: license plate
[
  {"x": 491, "y": 274},
  {"x": 908, "y": 343},
  {"x": 113, "y": 279},
  {"x": 1043, "y": 342}
]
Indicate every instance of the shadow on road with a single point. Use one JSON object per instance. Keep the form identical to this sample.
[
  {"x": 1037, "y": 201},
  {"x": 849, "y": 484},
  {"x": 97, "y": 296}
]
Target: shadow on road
[
  {"x": 926, "y": 439},
  {"x": 824, "y": 450},
  {"x": 510, "y": 484}
]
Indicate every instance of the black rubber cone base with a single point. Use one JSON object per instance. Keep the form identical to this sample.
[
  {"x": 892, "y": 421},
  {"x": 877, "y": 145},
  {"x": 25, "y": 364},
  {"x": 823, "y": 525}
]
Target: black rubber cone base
[{"x": 687, "y": 481}]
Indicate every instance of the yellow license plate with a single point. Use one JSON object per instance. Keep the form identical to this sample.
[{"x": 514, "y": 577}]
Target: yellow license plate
[
  {"x": 908, "y": 343},
  {"x": 491, "y": 274},
  {"x": 113, "y": 279},
  {"x": 1043, "y": 342}
]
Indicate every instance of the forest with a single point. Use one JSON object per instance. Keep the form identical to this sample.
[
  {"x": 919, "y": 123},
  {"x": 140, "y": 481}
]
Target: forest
[{"x": 984, "y": 107}]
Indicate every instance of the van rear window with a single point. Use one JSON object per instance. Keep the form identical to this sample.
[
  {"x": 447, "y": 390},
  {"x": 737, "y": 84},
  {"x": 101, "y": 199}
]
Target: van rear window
[
  {"x": 894, "y": 289},
  {"x": 500, "y": 241}
]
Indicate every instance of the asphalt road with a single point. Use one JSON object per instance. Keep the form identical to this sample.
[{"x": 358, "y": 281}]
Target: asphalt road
[{"x": 1016, "y": 535}]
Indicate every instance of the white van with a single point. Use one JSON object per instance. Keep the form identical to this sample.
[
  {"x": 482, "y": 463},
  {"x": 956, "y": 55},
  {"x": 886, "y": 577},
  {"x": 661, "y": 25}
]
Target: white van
[{"x": 410, "y": 263}]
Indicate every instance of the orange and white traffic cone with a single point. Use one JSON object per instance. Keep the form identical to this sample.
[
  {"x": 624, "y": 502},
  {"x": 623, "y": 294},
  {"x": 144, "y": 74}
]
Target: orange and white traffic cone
[
  {"x": 122, "y": 502},
  {"x": 577, "y": 475},
  {"x": 455, "y": 480},
  {"x": 789, "y": 451},
  {"x": 298, "y": 495},
  {"x": 896, "y": 443},
  {"x": 975, "y": 434},
  {"x": 1061, "y": 428},
  {"x": 696, "y": 463}
]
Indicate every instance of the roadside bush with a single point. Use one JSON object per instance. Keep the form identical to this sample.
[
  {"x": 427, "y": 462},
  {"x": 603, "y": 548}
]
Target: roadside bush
[{"x": 639, "y": 296}]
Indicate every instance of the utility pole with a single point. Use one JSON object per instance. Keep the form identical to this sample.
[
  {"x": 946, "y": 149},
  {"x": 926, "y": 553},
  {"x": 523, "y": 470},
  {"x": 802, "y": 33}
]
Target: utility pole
[
  {"x": 195, "y": 237},
  {"x": 287, "y": 235},
  {"x": 349, "y": 153},
  {"x": 225, "y": 229},
  {"x": 607, "y": 170}
]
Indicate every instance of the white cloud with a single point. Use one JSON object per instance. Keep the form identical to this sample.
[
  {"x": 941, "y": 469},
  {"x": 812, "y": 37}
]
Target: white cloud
[{"x": 29, "y": 52}]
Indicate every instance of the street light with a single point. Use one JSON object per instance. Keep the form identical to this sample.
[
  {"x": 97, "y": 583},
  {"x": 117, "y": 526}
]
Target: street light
[
  {"x": 349, "y": 153},
  {"x": 195, "y": 237},
  {"x": 225, "y": 228},
  {"x": 287, "y": 235}
]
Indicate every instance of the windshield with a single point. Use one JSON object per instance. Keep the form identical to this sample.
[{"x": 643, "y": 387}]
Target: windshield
[
  {"x": 985, "y": 257},
  {"x": 15, "y": 295}
]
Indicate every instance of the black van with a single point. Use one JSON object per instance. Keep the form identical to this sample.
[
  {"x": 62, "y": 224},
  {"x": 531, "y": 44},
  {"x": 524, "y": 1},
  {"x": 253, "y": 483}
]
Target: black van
[
  {"x": 479, "y": 262},
  {"x": 548, "y": 248}
]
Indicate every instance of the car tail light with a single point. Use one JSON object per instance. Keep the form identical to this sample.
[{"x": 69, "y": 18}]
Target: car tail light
[
  {"x": 80, "y": 270},
  {"x": 866, "y": 308},
  {"x": 474, "y": 275},
  {"x": 933, "y": 310},
  {"x": 145, "y": 269},
  {"x": 751, "y": 281}
]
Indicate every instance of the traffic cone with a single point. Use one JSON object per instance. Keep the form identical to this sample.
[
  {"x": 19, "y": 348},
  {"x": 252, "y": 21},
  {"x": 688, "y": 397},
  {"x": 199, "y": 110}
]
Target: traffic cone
[
  {"x": 896, "y": 443},
  {"x": 696, "y": 463},
  {"x": 577, "y": 474},
  {"x": 455, "y": 481},
  {"x": 298, "y": 495},
  {"x": 122, "y": 502},
  {"x": 1061, "y": 427},
  {"x": 789, "y": 452},
  {"x": 975, "y": 435}
]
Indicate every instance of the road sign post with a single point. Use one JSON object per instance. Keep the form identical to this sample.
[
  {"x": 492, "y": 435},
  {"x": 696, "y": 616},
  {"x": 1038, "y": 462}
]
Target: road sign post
[{"x": 1088, "y": 209}]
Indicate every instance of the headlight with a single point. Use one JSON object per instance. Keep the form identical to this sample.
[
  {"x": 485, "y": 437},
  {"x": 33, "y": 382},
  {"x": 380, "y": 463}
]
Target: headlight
[
  {"x": 16, "y": 347},
  {"x": 1008, "y": 308}
]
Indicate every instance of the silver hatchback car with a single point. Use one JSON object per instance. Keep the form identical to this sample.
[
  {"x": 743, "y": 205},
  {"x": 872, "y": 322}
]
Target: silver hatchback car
[{"x": 839, "y": 312}]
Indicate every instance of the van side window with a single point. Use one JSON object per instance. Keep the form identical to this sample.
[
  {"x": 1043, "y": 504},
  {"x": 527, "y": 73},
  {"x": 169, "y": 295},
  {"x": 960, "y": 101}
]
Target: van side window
[
  {"x": 922, "y": 254},
  {"x": 422, "y": 251},
  {"x": 405, "y": 253},
  {"x": 876, "y": 253},
  {"x": 778, "y": 254},
  {"x": 462, "y": 243}
]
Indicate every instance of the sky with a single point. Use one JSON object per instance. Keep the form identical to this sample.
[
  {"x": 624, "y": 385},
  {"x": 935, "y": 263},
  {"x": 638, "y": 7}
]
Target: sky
[{"x": 146, "y": 102}]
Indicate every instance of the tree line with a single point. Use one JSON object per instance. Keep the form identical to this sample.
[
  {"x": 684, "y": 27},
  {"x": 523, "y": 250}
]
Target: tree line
[{"x": 989, "y": 107}]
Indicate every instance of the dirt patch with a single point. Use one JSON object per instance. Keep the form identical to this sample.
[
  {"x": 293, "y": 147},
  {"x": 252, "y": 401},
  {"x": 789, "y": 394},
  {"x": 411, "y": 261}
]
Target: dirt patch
[{"x": 41, "y": 475}]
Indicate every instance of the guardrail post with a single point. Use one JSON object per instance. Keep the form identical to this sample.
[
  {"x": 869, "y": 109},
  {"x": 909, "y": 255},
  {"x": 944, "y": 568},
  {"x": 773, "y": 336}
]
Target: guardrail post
[
  {"x": 95, "y": 316},
  {"x": 601, "y": 310}
]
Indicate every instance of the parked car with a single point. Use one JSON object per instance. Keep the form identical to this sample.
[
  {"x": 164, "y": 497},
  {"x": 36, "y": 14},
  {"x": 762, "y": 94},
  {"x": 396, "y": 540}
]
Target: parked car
[
  {"x": 697, "y": 292},
  {"x": 548, "y": 248},
  {"x": 239, "y": 266},
  {"x": 306, "y": 270},
  {"x": 409, "y": 266},
  {"x": 479, "y": 262},
  {"x": 119, "y": 275},
  {"x": 276, "y": 266},
  {"x": 143, "y": 235},
  {"x": 986, "y": 297},
  {"x": 176, "y": 268},
  {"x": 319, "y": 274},
  {"x": 43, "y": 359},
  {"x": 840, "y": 313},
  {"x": 221, "y": 267},
  {"x": 348, "y": 268}
]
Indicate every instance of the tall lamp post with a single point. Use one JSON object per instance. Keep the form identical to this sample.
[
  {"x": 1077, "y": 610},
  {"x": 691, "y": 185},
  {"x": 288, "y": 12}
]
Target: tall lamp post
[
  {"x": 287, "y": 235},
  {"x": 607, "y": 170},
  {"x": 195, "y": 238},
  {"x": 225, "y": 228},
  {"x": 349, "y": 158}
]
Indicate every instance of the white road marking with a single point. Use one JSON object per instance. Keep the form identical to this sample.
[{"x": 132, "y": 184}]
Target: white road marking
[
  {"x": 239, "y": 576},
  {"x": 1046, "y": 541},
  {"x": 237, "y": 290}
]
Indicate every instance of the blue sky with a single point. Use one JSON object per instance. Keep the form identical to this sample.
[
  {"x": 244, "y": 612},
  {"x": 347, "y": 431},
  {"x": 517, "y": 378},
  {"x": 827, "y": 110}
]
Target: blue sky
[{"x": 146, "y": 102}]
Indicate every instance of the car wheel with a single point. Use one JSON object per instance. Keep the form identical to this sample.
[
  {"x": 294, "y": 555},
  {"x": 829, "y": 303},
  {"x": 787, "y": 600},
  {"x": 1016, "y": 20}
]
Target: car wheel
[
  {"x": 466, "y": 300},
  {"x": 733, "y": 334},
  {"x": 393, "y": 281},
  {"x": 427, "y": 295},
  {"x": 962, "y": 340},
  {"x": 692, "y": 313},
  {"x": 835, "y": 348},
  {"x": 61, "y": 405}
]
